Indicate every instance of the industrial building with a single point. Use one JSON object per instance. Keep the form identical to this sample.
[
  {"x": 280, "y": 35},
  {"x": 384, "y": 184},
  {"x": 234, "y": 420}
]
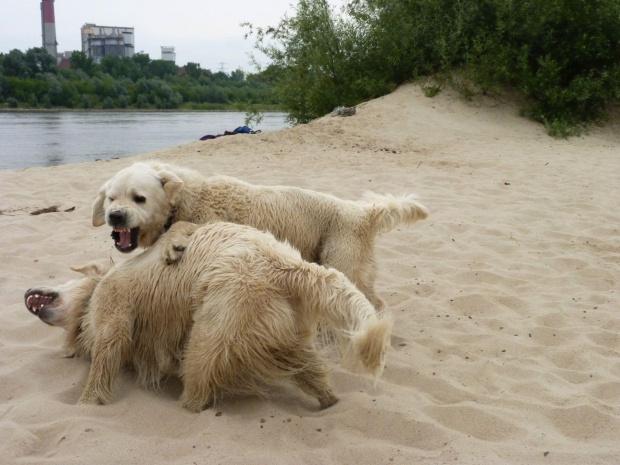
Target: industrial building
[
  {"x": 48, "y": 27},
  {"x": 168, "y": 54},
  {"x": 101, "y": 41}
]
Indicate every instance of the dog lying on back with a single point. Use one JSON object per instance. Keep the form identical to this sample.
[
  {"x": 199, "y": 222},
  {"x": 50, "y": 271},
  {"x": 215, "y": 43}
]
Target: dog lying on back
[
  {"x": 140, "y": 202},
  {"x": 238, "y": 311}
]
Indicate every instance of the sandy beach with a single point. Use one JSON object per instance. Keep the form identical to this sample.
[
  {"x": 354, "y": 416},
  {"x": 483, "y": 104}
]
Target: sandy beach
[{"x": 506, "y": 344}]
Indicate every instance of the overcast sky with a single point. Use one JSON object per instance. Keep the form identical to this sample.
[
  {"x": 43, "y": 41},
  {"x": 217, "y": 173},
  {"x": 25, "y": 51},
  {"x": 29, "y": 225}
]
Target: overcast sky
[{"x": 202, "y": 31}]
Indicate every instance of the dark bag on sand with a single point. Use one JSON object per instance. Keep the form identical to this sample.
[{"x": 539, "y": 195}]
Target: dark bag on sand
[
  {"x": 241, "y": 130},
  {"x": 238, "y": 130}
]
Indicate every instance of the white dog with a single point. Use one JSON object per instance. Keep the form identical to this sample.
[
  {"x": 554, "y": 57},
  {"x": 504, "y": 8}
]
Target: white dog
[
  {"x": 237, "y": 311},
  {"x": 140, "y": 202}
]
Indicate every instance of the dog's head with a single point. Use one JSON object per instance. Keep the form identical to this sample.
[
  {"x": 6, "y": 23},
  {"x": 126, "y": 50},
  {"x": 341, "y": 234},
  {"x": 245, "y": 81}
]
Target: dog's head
[
  {"x": 67, "y": 306},
  {"x": 55, "y": 305},
  {"x": 137, "y": 202}
]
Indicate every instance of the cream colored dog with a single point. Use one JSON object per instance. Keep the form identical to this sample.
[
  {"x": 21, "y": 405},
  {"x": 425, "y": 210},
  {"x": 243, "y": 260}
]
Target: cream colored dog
[
  {"x": 238, "y": 310},
  {"x": 140, "y": 202}
]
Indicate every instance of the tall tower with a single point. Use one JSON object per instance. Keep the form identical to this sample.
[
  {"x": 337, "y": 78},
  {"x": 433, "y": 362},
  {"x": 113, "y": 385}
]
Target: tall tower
[{"x": 48, "y": 26}]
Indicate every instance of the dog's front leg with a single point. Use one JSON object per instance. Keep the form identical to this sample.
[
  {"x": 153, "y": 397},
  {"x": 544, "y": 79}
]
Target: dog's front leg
[
  {"x": 174, "y": 242},
  {"x": 109, "y": 355}
]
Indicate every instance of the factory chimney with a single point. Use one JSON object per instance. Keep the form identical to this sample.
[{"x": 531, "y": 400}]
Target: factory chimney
[{"x": 48, "y": 26}]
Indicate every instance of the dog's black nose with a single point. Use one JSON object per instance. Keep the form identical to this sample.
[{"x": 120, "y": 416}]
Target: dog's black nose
[{"x": 116, "y": 218}]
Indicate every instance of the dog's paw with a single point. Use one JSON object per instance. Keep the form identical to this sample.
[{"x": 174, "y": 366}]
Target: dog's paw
[
  {"x": 91, "y": 398},
  {"x": 198, "y": 405},
  {"x": 175, "y": 241},
  {"x": 173, "y": 251},
  {"x": 328, "y": 400}
]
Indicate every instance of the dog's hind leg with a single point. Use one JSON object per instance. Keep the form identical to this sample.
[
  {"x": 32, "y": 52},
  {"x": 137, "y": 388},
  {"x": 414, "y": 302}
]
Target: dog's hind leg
[
  {"x": 364, "y": 279},
  {"x": 311, "y": 376},
  {"x": 354, "y": 258}
]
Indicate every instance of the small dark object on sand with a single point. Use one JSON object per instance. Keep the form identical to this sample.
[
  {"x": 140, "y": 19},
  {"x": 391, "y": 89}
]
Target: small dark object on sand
[
  {"x": 52, "y": 209},
  {"x": 343, "y": 111}
]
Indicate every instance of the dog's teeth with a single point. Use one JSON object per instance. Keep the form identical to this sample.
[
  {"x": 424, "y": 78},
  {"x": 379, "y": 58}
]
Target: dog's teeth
[{"x": 37, "y": 301}]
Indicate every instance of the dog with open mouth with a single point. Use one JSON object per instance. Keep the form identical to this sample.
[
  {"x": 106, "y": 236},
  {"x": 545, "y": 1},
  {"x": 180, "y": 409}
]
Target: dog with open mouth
[
  {"x": 133, "y": 202},
  {"x": 237, "y": 311},
  {"x": 140, "y": 203}
]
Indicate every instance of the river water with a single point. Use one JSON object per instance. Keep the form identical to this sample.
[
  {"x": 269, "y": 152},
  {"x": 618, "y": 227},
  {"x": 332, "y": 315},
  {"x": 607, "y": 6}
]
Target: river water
[{"x": 56, "y": 138}]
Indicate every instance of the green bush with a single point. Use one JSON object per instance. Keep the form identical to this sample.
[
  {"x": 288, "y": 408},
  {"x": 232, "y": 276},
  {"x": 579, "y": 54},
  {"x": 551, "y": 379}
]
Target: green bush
[
  {"x": 316, "y": 53},
  {"x": 564, "y": 55}
]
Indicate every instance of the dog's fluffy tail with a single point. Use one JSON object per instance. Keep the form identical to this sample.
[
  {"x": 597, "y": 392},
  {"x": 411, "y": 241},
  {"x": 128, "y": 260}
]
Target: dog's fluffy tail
[
  {"x": 386, "y": 211},
  {"x": 340, "y": 308}
]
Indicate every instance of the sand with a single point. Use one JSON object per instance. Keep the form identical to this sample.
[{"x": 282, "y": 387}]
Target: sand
[{"x": 506, "y": 347}]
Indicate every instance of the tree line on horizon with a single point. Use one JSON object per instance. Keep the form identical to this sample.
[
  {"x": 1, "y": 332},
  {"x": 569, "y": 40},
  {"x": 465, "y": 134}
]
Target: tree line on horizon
[
  {"x": 32, "y": 80},
  {"x": 563, "y": 56}
]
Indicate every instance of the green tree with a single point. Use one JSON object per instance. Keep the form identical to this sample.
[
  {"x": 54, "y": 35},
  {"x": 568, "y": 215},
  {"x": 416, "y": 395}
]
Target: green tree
[
  {"x": 163, "y": 68},
  {"x": 313, "y": 51},
  {"x": 55, "y": 91},
  {"x": 79, "y": 60},
  {"x": 142, "y": 62},
  {"x": 14, "y": 64},
  {"x": 193, "y": 70},
  {"x": 120, "y": 82},
  {"x": 237, "y": 75},
  {"x": 40, "y": 61}
]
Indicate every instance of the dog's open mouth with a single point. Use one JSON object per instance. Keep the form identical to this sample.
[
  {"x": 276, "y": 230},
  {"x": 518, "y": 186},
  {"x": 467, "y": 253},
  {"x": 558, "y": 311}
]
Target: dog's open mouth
[
  {"x": 36, "y": 300},
  {"x": 125, "y": 240}
]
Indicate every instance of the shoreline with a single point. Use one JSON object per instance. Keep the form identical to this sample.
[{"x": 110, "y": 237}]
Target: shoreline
[{"x": 136, "y": 110}]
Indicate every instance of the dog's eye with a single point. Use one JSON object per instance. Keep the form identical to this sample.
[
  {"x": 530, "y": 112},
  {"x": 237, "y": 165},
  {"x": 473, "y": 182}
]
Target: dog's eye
[
  {"x": 139, "y": 199},
  {"x": 111, "y": 199}
]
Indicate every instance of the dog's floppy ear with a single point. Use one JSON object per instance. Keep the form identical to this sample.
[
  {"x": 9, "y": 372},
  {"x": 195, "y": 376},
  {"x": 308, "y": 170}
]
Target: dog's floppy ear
[
  {"x": 98, "y": 210},
  {"x": 92, "y": 269},
  {"x": 171, "y": 184}
]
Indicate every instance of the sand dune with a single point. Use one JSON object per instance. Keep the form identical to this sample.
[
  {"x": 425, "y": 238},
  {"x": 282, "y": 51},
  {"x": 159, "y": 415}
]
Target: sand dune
[{"x": 506, "y": 347}]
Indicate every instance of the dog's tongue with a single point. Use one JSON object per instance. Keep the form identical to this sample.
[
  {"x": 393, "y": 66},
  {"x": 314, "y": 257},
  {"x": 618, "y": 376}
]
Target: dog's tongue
[{"x": 125, "y": 238}]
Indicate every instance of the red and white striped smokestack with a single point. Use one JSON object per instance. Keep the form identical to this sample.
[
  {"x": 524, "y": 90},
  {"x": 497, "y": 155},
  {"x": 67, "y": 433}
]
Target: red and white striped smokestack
[{"x": 48, "y": 26}]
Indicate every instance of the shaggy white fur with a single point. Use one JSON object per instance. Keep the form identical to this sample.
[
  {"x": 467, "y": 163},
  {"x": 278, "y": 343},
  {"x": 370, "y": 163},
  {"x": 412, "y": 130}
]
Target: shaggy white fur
[
  {"x": 237, "y": 311},
  {"x": 142, "y": 200}
]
